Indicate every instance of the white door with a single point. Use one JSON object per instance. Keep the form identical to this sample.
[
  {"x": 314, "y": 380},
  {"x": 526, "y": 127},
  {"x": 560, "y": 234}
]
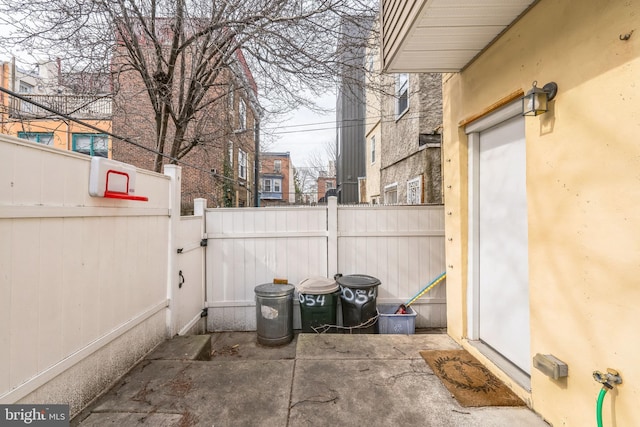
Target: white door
[{"x": 503, "y": 317}]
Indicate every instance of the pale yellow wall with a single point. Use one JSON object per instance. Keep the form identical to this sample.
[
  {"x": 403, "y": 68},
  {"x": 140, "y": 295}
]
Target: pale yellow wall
[
  {"x": 62, "y": 131},
  {"x": 583, "y": 194},
  {"x": 373, "y": 169},
  {"x": 374, "y": 117}
]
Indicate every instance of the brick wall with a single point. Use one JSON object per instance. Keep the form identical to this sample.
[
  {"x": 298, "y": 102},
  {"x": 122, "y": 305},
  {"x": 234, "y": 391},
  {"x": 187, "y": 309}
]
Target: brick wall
[
  {"x": 322, "y": 185},
  {"x": 214, "y": 129}
]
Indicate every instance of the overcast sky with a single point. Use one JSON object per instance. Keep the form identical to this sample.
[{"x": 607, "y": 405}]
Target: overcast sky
[{"x": 305, "y": 132}]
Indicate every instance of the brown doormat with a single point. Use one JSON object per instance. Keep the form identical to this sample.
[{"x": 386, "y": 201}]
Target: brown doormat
[{"x": 468, "y": 380}]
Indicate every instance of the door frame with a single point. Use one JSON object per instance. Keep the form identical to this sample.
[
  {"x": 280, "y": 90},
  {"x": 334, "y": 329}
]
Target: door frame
[
  {"x": 473, "y": 279},
  {"x": 473, "y": 130}
]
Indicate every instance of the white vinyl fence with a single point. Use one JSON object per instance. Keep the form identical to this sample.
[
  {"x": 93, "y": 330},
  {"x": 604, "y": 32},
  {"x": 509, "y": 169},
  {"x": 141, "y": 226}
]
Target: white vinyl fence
[
  {"x": 189, "y": 295},
  {"x": 403, "y": 246},
  {"x": 88, "y": 285}
]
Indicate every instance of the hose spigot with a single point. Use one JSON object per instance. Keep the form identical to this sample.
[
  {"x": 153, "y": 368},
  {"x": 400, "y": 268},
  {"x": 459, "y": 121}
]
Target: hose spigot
[{"x": 609, "y": 379}]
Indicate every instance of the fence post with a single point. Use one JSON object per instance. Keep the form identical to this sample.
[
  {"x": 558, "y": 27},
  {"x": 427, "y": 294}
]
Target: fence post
[
  {"x": 332, "y": 236},
  {"x": 199, "y": 206},
  {"x": 175, "y": 173},
  {"x": 199, "y": 209}
]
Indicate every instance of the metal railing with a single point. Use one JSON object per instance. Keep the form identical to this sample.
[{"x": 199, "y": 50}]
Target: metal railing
[{"x": 78, "y": 106}]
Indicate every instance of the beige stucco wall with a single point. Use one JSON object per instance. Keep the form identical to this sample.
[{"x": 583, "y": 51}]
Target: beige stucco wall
[
  {"x": 402, "y": 159},
  {"x": 583, "y": 194}
]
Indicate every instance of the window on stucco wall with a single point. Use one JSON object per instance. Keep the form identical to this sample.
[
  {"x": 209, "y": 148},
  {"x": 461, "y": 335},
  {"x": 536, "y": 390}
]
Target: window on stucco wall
[
  {"x": 402, "y": 93},
  {"x": 391, "y": 194},
  {"x": 373, "y": 149},
  {"x": 414, "y": 191}
]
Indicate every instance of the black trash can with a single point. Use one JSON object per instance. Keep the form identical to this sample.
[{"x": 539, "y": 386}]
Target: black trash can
[
  {"x": 358, "y": 293},
  {"x": 318, "y": 298},
  {"x": 274, "y": 314}
]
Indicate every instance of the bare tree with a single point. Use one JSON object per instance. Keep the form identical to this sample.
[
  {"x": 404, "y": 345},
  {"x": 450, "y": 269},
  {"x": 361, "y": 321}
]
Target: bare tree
[
  {"x": 323, "y": 161},
  {"x": 181, "y": 49},
  {"x": 319, "y": 163},
  {"x": 305, "y": 184}
]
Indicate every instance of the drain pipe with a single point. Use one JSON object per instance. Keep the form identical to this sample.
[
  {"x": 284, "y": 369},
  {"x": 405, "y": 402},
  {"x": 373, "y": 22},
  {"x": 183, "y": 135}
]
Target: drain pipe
[{"x": 607, "y": 380}]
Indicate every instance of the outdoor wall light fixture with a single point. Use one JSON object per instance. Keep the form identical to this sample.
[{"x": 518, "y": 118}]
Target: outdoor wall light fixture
[{"x": 535, "y": 101}]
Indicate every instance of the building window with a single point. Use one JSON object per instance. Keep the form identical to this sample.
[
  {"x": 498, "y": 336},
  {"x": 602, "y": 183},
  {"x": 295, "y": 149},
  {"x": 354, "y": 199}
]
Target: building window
[
  {"x": 248, "y": 168},
  {"x": 370, "y": 60},
  {"x": 270, "y": 185},
  {"x": 25, "y": 88},
  {"x": 231, "y": 97},
  {"x": 39, "y": 137},
  {"x": 26, "y": 106},
  {"x": 373, "y": 149},
  {"x": 91, "y": 144},
  {"x": 402, "y": 93},
  {"x": 277, "y": 166},
  {"x": 414, "y": 191},
  {"x": 242, "y": 115},
  {"x": 391, "y": 194},
  {"x": 242, "y": 164},
  {"x": 330, "y": 185}
]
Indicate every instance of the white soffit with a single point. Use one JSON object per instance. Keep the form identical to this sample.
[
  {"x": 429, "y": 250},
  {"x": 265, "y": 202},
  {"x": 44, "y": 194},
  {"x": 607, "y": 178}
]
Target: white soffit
[{"x": 448, "y": 34}]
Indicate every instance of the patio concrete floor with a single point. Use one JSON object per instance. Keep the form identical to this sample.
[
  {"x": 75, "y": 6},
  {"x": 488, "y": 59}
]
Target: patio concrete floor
[{"x": 316, "y": 380}]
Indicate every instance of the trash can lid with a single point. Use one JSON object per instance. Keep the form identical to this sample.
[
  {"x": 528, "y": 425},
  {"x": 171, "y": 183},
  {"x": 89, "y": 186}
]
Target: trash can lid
[
  {"x": 317, "y": 286},
  {"x": 358, "y": 281},
  {"x": 272, "y": 290}
]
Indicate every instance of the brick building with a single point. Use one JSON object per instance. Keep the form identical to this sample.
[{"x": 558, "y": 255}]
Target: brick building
[
  {"x": 325, "y": 183},
  {"x": 276, "y": 179},
  {"x": 218, "y": 149}
]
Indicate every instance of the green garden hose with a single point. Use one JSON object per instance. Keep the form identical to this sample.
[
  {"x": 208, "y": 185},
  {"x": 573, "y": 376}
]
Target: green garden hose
[{"x": 603, "y": 391}]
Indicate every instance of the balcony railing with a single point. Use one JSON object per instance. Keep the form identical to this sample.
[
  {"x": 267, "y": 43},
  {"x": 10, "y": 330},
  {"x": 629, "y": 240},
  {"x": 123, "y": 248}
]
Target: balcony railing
[{"x": 77, "y": 106}]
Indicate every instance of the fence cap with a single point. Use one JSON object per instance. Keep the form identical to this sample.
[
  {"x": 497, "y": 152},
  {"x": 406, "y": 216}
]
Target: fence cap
[
  {"x": 317, "y": 286},
  {"x": 274, "y": 290},
  {"x": 358, "y": 281}
]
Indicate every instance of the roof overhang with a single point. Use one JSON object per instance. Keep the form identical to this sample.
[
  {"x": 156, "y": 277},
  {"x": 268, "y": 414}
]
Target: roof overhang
[{"x": 443, "y": 35}]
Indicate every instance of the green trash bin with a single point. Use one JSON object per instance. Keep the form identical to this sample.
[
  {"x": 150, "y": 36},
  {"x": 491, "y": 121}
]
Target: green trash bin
[
  {"x": 358, "y": 295},
  {"x": 318, "y": 298}
]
